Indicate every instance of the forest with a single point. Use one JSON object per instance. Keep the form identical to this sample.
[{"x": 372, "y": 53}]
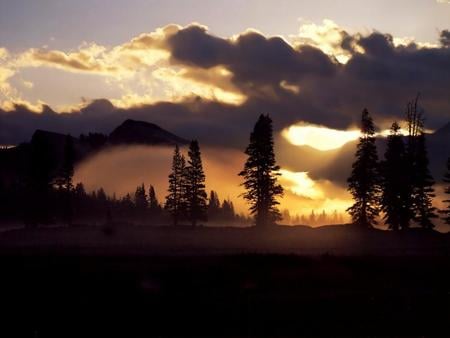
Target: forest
[{"x": 396, "y": 190}]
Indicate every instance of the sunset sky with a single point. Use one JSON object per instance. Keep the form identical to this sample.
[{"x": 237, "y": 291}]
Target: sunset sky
[{"x": 207, "y": 69}]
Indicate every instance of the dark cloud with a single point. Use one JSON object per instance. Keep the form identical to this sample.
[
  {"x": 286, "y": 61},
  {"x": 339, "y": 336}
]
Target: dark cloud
[{"x": 382, "y": 79}]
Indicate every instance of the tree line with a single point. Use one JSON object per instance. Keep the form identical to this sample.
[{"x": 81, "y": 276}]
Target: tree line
[{"x": 400, "y": 186}]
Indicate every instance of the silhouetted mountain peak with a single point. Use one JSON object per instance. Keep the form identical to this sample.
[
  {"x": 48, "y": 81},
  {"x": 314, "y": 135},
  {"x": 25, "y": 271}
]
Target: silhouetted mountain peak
[{"x": 140, "y": 132}]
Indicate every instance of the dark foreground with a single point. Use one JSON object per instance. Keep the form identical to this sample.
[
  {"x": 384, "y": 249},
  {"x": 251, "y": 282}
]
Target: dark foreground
[{"x": 138, "y": 296}]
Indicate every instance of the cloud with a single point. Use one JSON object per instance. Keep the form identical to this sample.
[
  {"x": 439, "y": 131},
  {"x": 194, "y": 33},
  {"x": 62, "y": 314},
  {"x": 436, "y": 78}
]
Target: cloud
[{"x": 213, "y": 88}]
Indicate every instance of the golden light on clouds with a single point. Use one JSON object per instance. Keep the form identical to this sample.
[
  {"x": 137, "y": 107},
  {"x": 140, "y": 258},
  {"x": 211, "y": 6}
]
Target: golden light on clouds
[
  {"x": 319, "y": 137},
  {"x": 300, "y": 184},
  {"x": 326, "y": 36}
]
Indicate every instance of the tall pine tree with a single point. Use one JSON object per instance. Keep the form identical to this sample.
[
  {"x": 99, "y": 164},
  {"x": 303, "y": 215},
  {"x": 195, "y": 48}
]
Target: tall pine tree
[
  {"x": 140, "y": 198},
  {"x": 423, "y": 182},
  {"x": 63, "y": 180},
  {"x": 394, "y": 183},
  {"x": 261, "y": 173},
  {"x": 213, "y": 206},
  {"x": 446, "y": 212},
  {"x": 419, "y": 180},
  {"x": 175, "y": 200},
  {"x": 196, "y": 197},
  {"x": 364, "y": 180},
  {"x": 153, "y": 202}
]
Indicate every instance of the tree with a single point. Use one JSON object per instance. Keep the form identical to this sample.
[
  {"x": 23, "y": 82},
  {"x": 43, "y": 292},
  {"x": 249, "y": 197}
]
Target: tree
[
  {"x": 153, "y": 202},
  {"x": 364, "y": 179},
  {"x": 140, "y": 198},
  {"x": 63, "y": 180},
  {"x": 213, "y": 205},
  {"x": 260, "y": 175},
  {"x": 175, "y": 203},
  {"x": 419, "y": 180},
  {"x": 394, "y": 185},
  {"x": 228, "y": 214},
  {"x": 446, "y": 211},
  {"x": 423, "y": 187},
  {"x": 40, "y": 176},
  {"x": 196, "y": 197}
]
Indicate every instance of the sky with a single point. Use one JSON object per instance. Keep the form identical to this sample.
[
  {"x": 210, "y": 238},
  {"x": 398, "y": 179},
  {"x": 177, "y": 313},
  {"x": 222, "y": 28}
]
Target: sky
[{"x": 207, "y": 69}]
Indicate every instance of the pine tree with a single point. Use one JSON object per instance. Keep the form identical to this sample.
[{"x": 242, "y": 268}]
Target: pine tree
[
  {"x": 175, "y": 203},
  {"x": 228, "y": 214},
  {"x": 153, "y": 202},
  {"x": 40, "y": 174},
  {"x": 423, "y": 187},
  {"x": 446, "y": 211},
  {"x": 64, "y": 180},
  {"x": 420, "y": 182},
  {"x": 260, "y": 175},
  {"x": 196, "y": 197},
  {"x": 140, "y": 198},
  {"x": 364, "y": 179},
  {"x": 394, "y": 185},
  {"x": 213, "y": 205}
]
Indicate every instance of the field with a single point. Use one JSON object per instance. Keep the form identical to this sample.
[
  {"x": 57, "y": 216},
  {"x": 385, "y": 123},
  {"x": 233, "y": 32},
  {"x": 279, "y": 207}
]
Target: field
[{"x": 142, "y": 282}]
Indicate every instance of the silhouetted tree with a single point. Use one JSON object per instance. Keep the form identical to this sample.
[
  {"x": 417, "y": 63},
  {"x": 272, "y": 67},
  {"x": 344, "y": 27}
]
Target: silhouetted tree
[
  {"x": 423, "y": 186},
  {"x": 140, "y": 202},
  {"x": 446, "y": 211},
  {"x": 153, "y": 202},
  {"x": 394, "y": 183},
  {"x": 364, "y": 179},
  {"x": 140, "y": 198},
  {"x": 40, "y": 177},
  {"x": 196, "y": 197},
  {"x": 419, "y": 180},
  {"x": 227, "y": 213},
  {"x": 63, "y": 180},
  {"x": 260, "y": 174},
  {"x": 175, "y": 203},
  {"x": 213, "y": 206}
]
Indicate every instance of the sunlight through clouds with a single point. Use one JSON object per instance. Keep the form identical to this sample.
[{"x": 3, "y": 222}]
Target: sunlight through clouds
[{"x": 319, "y": 137}]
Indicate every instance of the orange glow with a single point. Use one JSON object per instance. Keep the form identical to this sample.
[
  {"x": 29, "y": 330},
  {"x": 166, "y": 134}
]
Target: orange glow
[{"x": 319, "y": 137}]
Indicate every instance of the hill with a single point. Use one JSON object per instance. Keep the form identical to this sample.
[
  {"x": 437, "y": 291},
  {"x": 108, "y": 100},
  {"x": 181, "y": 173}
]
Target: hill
[
  {"x": 15, "y": 161},
  {"x": 140, "y": 132}
]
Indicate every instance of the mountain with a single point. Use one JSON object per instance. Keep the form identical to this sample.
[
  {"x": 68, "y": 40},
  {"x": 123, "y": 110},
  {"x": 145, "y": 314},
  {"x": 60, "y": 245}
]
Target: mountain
[
  {"x": 15, "y": 162},
  {"x": 140, "y": 132}
]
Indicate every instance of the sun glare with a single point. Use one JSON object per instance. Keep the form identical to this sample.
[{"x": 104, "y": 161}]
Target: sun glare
[
  {"x": 300, "y": 184},
  {"x": 319, "y": 137}
]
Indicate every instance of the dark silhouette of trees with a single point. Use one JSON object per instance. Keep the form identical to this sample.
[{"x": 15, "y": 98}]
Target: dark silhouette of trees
[
  {"x": 446, "y": 212},
  {"x": 140, "y": 198},
  {"x": 423, "y": 187},
  {"x": 260, "y": 174},
  {"x": 227, "y": 213},
  {"x": 213, "y": 206},
  {"x": 196, "y": 197},
  {"x": 175, "y": 202},
  {"x": 419, "y": 180},
  {"x": 153, "y": 203},
  {"x": 394, "y": 183},
  {"x": 40, "y": 177},
  {"x": 63, "y": 180},
  {"x": 364, "y": 180},
  {"x": 140, "y": 202}
]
